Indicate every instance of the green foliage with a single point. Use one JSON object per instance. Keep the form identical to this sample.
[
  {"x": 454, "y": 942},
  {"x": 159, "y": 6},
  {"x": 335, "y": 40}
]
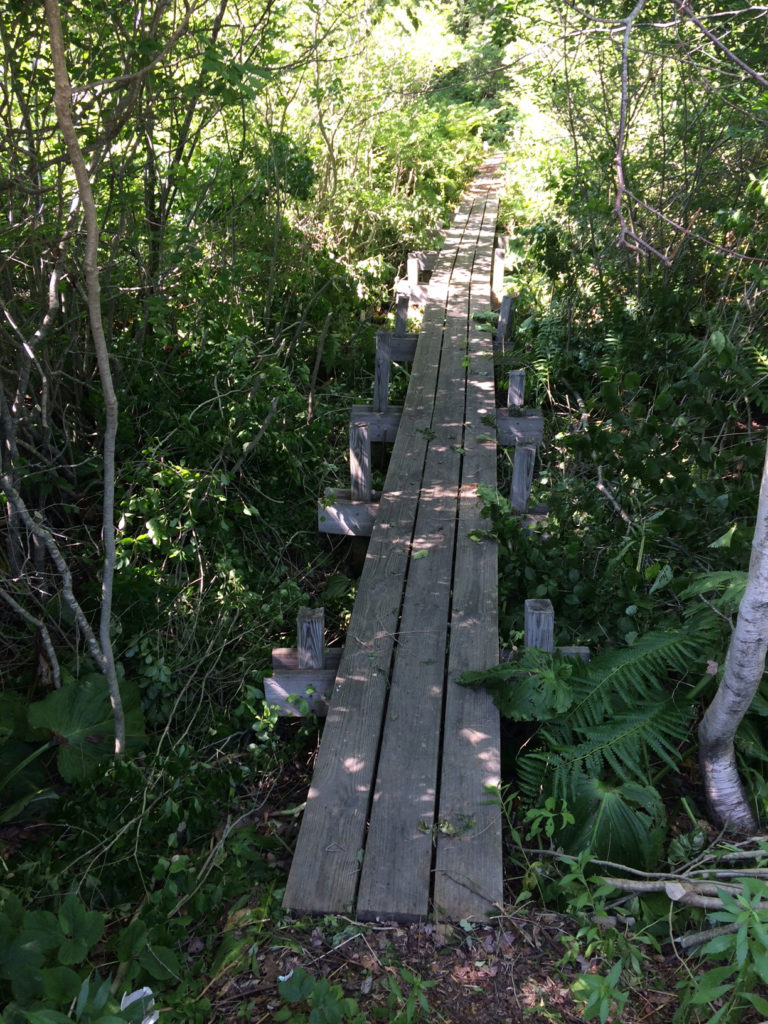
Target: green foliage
[
  {"x": 625, "y": 823},
  {"x": 79, "y": 717},
  {"x": 534, "y": 688},
  {"x": 600, "y": 994},
  {"x": 326, "y": 1002},
  {"x": 406, "y": 1000},
  {"x": 40, "y": 952},
  {"x": 727, "y": 992},
  {"x": 605, "y": 728}
]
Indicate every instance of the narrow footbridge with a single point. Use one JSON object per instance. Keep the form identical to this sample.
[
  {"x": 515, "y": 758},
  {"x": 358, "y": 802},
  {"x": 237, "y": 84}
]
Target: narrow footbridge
[{"x": 398, "y": 824}]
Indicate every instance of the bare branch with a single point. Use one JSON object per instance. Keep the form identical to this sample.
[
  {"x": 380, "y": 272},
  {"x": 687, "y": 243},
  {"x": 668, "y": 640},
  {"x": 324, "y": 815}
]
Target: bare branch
[
  {"x": 41, "y": 627},
  {"x": 37, "y": 529},
  {"x": 627, "y": 22},
  {"x": 685, "y": 8}
]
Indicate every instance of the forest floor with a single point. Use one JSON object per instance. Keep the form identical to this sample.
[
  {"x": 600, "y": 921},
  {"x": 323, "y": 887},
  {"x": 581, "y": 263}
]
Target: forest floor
[
  {"x": 508, "y": 970},
  {"x": 505, "y": 972}
]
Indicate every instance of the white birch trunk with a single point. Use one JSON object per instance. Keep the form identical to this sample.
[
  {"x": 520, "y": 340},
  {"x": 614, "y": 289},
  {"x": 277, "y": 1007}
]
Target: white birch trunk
[{"x": 744, "y": 667}]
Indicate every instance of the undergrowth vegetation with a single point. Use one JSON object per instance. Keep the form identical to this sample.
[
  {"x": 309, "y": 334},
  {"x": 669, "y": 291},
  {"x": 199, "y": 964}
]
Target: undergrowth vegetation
[{"x": 258, "y": 194}]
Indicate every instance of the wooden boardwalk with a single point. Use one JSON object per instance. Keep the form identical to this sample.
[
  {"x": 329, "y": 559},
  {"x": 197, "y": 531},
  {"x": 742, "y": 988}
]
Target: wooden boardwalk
[{"x": 397, "y": 824}]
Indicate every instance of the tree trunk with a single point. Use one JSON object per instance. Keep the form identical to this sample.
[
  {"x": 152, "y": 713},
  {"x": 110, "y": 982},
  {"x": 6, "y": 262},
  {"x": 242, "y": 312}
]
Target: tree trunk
[
  {"x": 744, "y": 667},
  {"x": 63, "y": 104}
]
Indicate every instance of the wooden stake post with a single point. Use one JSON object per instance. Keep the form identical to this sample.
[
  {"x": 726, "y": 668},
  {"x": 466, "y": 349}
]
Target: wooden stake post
[{"x": 303, "y": 676}]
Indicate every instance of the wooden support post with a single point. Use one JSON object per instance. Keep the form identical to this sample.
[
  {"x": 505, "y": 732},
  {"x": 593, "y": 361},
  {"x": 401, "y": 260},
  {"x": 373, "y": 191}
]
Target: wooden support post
[
  {"x": 413, "y": 271},
  {"x": 302, "y": 678},
  {"x": 504, "y": 326},
  {"x": 389, "y": 348},
  {"x": 497, "y": 285},
  {"x": 310, "y": 627},
  {"x": 401, "y": 316},
  {"x": 540, "y": 624},
  {"x": 522, "y": 476},
  {"x": 516, "y": 390},
  {"x": 381, "y": 371},
  {"x": 360, "y": 462}
]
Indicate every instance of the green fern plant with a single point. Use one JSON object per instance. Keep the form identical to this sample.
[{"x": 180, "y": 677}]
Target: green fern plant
[
  {"x": 624, "y": 715},
  {"x": 604, "y": 730}
]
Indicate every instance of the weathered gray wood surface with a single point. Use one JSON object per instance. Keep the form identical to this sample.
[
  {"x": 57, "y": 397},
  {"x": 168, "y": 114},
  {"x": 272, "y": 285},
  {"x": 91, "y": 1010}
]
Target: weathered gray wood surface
[
  {"x": 343, "y": 515},
  {"x": 310, "y": 629},
  {"x": 504, "y": 327},
  {"x": 390, "y": 348},
  {"x": 522, "y": 476},
  {"x": 516, "y": 389},
  {"x": 468, "y": 867},
  {"x": 540, "y": 624},
  {"x": 367, "y": 838},
  {"x": 524, "y": 426}
]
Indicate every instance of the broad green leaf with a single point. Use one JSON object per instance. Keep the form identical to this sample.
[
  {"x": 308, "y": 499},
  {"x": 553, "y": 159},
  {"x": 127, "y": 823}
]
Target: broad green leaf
[
  {"x": 82, "y": 930},
  {"x": 759, "y": 1003},
  {"x": 80, "y": 717},
  {"x": 619, "y": 823},
  {"x": 664, "y": 577},
  {"x": 132, "y": 940},
  {"x": 160, "y": 963},
  {"x": 61, "y": 984},
  {"x": 724, "y": 541}
]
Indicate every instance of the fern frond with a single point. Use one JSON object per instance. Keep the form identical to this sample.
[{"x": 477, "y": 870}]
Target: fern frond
[
  {"x": 533, "y": 771},
  {"x": 751, "y": 371},
  {"x": 629, "y": 741},
  {"x": 727, "y": 587},
  {"x": 632, "y": 676},
  {"x": 623, "y": 719}
]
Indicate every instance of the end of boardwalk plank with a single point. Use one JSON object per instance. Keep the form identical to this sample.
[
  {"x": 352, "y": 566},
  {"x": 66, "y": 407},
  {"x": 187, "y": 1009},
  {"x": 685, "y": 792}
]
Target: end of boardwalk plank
[
  {"x": 301, "y": 692},
  {"x": 519, "y": 426},
  {"x": 341, "y": 515}
]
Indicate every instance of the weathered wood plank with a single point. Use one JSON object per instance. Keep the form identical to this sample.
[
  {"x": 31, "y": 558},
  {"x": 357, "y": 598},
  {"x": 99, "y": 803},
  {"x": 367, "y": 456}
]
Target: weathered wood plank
[
  {"x": 360, "y": 485},
  {"x": 468, "y": 865},
  {"x": 539, "y": 624},
  {"x": 497, "y": 288},
  {"x": 516, "y": 389},
  {"x": 382, "y": 369},
  {"x": 286, "y": 659},
  {"x": 395, "y": 878},
  {"x": 341, "y": 516},
  {"x": 522, "y": 476},
  {"x": 299, "y": 692},
  {"x": 390, "y": 348},
  {"x": 310, "y": 629},
  {"x": 382, "y": 425},
  {"x": 523, "y": 427},
  {"x": 504, "y": 327},
  {"x": 324, "y": 872},
  {"x": 401, "y": 316}
]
